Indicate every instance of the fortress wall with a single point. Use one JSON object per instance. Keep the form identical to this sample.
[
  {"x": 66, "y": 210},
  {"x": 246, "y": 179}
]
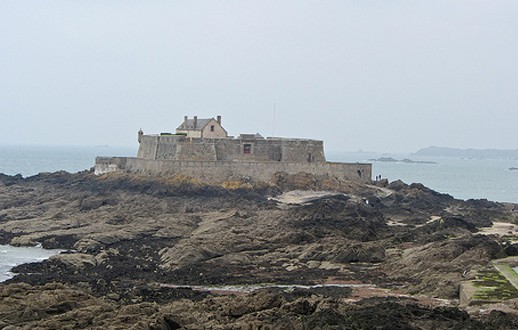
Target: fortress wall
[
  {"x": 262, "y": 150},
  {"x": 166, "y": 150},
  {"x": 197, "y": 150},
  {"x": 159, "y": 146},
  {"x": 302, "y": 151},
  {"x": 217, "y": 171},
  {"x": 148, "y": 147},
  {"x": 175, "y": 147},
  {"x": 228, "y": 149},
  {"x": 268, "y": 150}
]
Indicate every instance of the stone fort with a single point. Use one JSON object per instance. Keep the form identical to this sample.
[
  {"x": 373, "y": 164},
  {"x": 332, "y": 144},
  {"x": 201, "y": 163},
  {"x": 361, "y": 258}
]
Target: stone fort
[{"x": 202, "y": 148}]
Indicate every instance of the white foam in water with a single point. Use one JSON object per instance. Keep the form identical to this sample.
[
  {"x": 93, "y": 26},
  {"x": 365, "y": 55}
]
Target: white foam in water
[{"x": 11, "y": 256}]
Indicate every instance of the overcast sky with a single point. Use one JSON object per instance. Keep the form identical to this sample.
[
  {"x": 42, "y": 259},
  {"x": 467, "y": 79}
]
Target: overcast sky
[{"x": 387, "y": 76}]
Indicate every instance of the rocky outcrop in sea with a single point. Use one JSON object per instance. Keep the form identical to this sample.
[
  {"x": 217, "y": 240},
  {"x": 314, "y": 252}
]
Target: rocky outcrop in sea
[{"x": 300, "y": 252}]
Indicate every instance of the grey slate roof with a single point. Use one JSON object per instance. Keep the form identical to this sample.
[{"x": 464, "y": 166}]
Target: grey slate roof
[{"x": 189, "y": 125}]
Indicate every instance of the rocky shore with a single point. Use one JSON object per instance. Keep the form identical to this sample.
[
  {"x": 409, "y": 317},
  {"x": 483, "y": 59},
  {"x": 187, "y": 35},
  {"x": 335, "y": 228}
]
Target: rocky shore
[{"x": 299, "y": 252}]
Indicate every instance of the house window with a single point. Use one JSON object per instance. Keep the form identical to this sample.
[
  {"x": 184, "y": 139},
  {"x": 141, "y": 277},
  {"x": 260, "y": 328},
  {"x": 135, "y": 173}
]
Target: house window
[
  {"x": 212, "y": 128},
  {"x": 247, "y": 148}
]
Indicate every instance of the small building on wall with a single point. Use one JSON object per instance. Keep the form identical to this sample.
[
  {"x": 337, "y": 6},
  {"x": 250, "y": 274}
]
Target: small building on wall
[{"x": 202, "y": 128}]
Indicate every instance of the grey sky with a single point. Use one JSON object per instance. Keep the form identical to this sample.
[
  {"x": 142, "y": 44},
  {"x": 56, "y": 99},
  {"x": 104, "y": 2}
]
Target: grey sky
[{"x": 373, "y": 75}]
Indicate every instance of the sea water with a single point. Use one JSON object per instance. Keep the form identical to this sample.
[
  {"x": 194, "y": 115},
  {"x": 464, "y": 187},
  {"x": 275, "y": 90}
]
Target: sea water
[
  {"x": 31, "y": 160},
  {"x": 11, "y": 256},
  {"x": 462, "y": 178}
]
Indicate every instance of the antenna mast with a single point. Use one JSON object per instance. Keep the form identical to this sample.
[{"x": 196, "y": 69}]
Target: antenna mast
[{"x": 273, "y": 120}]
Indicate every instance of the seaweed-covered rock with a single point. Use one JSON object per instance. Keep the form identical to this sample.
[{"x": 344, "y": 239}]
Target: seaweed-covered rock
[{"x": 167, "y": 253}]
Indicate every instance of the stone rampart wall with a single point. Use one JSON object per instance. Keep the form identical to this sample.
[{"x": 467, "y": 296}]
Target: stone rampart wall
[
  {"x": 218, "y": 171},
  {"x": 303, "y": 151},
  {"x": 148, "y": 147},
  {"x": 174, "y": 147},
  {"x": 194, "y": 151}
]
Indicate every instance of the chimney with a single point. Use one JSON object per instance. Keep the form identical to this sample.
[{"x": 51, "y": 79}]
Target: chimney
[
  {"x": 218, "y": 119},
  {"x": 195, "y": 122},
  {"x": 185, "y": 118}
]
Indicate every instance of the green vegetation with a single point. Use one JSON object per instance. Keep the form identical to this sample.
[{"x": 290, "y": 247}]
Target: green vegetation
[
  {"x": 490, "y": 284},
  {"x": 171, "y": 134}
]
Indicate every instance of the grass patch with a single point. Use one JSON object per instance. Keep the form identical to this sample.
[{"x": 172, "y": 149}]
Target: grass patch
[{"x": 490, "y": 284}]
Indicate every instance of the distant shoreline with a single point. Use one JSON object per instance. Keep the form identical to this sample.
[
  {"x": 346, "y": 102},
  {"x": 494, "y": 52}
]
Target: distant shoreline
[
  {"x": 468, "y": 153},
  {"x": 406, "y": 161}
]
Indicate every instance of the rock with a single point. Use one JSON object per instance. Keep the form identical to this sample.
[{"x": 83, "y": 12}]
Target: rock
[
  {"x": 77, "y": 261},
  {"x": 138, "y": 239},
  {"x": 91, "y": 203},
  {"x": 360, "y": 253},
  {"x": 397, "y": 185},
  {"x": 87, "y": 244}
]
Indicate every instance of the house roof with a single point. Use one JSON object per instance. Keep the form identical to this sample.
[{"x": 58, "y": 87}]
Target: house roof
[{"x": 189, "y": 124}]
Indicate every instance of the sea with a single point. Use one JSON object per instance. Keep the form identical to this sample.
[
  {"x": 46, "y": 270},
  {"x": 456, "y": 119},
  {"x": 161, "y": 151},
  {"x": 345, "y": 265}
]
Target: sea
[
  {"x": 31, "y": 160},
  {"x": 11, "y": 256},
  {"x": 463, "y": 178}
]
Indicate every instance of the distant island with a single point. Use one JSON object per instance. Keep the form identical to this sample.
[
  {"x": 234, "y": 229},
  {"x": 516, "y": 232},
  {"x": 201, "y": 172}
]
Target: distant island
[
  {"x": 513, "y": 168},
  {"x": 468, "y": 153},
  {"x": 406, "y": 160}
]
